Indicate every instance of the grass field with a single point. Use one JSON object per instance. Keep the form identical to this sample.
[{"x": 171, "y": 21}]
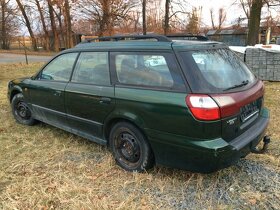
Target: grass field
[{"x": 42, "y": 167}]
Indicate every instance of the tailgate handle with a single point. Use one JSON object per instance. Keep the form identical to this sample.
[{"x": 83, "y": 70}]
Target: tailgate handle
[{"x": 105, "y": 100}]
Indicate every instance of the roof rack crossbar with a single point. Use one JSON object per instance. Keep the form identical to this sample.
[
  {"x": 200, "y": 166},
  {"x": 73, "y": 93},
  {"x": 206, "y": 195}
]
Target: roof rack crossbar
[
  {"x": 159, "y": 38},
  {"x": 188, "y": 37}
]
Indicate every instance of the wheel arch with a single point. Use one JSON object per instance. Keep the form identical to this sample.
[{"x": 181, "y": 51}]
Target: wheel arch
[
  {"x": 111, "y": 122},
  {"x": 16, "y": 90}
]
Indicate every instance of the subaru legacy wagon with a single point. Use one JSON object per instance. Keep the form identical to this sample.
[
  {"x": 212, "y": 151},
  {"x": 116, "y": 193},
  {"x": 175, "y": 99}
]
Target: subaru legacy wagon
[{"x": 187, "y": 104}]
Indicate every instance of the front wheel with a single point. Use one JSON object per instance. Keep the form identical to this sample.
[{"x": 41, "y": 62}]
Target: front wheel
[
  {"x": 130, "y": 148},
  {"x": 21, "y": 111}
]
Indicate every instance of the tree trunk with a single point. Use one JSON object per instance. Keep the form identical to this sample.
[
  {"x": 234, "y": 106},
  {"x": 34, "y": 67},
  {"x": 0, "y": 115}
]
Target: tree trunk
[
  {"x": 61, "y": 29},
  {"x": 212, "y": 18},
  {"x": 105, "y": 21},
  {"x": 166, "y": 17},
  {"x": 46, "y": 36},
  {"x": 55, "y": 35},
  {"x": 68, "y": 24},
  {"x": 27, "y": 22},
  {"x": 4, "y": 44},
  {"x": 144, "y": 17},
  {"x": 254, "y": 22}
]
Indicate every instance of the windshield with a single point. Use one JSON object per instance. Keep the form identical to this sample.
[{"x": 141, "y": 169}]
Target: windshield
[{"x": 216, "y": 70}]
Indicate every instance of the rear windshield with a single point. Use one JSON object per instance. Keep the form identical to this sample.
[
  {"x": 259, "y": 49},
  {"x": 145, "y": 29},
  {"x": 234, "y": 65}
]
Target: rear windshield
[{"x": 216, "y": 71}]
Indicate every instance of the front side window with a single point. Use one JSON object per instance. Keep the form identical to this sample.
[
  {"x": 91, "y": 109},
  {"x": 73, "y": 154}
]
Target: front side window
[
  {"x": 145, "y": 69},
  {"x": 92, "y": 68},
  {"x": 60, "y": 68}
]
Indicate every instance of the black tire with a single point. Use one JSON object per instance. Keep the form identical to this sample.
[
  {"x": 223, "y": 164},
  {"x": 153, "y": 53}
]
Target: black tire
[
  {"x": 20, "y": 110},
  {"x": 130, "y": 148}
]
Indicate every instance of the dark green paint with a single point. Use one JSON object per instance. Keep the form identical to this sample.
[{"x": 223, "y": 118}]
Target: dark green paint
[{"x": 176, "y": 137}]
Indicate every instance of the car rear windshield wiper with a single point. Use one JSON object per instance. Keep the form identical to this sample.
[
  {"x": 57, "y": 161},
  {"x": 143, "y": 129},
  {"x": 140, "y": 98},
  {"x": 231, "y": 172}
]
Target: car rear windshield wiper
[{"x": 243, "y": 83}]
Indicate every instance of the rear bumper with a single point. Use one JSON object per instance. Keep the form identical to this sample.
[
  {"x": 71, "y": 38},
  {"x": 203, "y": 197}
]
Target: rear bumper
[{"x": 206, "y": 156}]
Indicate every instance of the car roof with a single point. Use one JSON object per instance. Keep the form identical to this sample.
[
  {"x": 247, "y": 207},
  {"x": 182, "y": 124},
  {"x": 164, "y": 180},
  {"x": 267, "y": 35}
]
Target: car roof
[
  {"x": 146, "y": 42},
  {"x": 138, "y": 45}
]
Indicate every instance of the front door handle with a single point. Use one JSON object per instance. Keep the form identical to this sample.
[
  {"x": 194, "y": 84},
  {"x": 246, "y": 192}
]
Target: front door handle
[
  {"x": 57, "y": 93},
  {"x": 105, "y": 100}
]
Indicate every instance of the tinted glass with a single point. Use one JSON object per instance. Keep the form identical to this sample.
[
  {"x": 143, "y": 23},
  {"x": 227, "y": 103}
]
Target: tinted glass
[
  {"x": 143, "y": 69},
  {"x": 60, "y": 68},
  {"x": 216, "y": 70},
  {"x": 92, "y": 68}
]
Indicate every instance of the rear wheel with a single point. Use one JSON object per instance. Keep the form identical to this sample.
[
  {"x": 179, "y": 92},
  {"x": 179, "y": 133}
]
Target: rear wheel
[
  {"x": 21, "y": 111},
  {"x": 130, "y": 148}
]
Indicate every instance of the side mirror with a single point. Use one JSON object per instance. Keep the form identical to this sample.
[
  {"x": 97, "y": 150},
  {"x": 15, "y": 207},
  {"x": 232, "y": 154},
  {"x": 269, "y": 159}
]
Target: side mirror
[{"x": 32, "y": 77}]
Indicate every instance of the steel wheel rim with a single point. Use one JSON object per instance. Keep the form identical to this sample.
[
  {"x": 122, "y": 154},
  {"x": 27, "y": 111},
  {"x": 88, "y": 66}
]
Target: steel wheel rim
[
  {"x": 127, "y": 148},
  {"x": 22, "y": 110}
]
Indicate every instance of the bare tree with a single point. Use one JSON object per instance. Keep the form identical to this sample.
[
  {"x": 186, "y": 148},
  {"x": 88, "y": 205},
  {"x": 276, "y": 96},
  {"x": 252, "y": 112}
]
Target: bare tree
[
  {"x": 53, "y": 26},
  {"x": 67, "y": 19},
  {"x": 154, "y": 17},
  {"x": 246, "y": 5},
  {"x": 193, "y": 25},
  {"x": 144, "y": 3},
  {"x": 166, "y": 17},
  {"x": 44, "y": 26},
  {"x": 254, "y": 22},
  {"x": 222, "y": 17},
  {"x": 212, "y": 18},
  {"x": 252, "y": 10},
  {"x": 28, "y": 25},
  {"x": 5, "y": 23},
  {"x": 174, "y": 11},
  {"x": 106, "y": 14}
]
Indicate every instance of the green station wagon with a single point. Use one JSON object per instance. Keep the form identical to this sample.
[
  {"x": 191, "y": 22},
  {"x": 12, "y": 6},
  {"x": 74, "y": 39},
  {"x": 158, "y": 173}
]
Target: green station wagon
[{"x": 153, "y": 100}]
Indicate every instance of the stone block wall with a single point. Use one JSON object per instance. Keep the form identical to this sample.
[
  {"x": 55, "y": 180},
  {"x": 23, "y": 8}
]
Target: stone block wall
[{"x": 266, "y": 65}]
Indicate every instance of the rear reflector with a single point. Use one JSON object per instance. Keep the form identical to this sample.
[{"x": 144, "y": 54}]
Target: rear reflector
[{"x": 203, "y": 107}]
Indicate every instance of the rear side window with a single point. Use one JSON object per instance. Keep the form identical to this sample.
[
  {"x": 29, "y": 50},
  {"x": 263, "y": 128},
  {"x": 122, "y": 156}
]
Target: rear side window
[
  {"x": 92, "y": 68},
  {"x": 216, "y": 70},
  {"x": 145, "y": 69}
]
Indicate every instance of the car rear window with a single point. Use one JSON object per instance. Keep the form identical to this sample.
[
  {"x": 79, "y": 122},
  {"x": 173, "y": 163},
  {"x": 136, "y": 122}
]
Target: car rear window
[{"x": 216, "y": 70}]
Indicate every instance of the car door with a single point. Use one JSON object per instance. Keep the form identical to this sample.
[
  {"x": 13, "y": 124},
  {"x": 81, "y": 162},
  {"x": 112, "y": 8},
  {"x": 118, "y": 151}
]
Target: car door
[
  {"x": 46, "y": 91},
  {"x": 89, "y": 96}
]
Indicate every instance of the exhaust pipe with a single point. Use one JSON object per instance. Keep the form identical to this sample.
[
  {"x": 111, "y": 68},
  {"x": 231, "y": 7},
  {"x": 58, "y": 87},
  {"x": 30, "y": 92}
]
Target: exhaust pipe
[{"x": 266, "y": 141}]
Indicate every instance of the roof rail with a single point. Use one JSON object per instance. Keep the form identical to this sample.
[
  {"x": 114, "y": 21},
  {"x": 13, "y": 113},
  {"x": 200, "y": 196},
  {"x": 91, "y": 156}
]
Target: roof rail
[
  {"x": 190, "y": 37},
  {"x": 159, "y": 38}
]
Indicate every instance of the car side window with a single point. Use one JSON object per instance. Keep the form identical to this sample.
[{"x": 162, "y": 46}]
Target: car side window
[
  {"x": 60, "y": 68},
  {"x": 145, "y": 69},
  {"x": 92, "y": 68}
]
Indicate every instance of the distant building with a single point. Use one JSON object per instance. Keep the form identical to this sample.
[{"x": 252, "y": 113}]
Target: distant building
[
  {"x": 238, "y": 37},
  {"x": 232, "y": 37}
]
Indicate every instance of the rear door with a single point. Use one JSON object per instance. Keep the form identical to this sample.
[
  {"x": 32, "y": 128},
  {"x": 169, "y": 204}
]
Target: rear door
[{"x": 89, "y": 96}]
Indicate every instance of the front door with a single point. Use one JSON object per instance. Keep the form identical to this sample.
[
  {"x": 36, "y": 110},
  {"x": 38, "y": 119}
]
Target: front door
[{"x": 47, "y": 90}]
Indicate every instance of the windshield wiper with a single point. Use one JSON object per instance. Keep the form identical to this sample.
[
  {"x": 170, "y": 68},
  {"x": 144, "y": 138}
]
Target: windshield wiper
[{"x": 243, "y": 83}]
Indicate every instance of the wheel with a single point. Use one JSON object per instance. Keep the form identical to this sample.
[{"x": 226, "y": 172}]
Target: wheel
[
  {"x": 20, "y": 110},
  {"x": 130, "y": 148}
]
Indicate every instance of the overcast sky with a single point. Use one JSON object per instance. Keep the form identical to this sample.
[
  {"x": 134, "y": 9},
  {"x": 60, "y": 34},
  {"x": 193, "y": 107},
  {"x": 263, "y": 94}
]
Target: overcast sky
[{"x": 233, "y": 10}]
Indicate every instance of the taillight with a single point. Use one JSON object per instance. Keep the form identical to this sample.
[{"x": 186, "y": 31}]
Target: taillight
[{"x": 203, "y": 107}]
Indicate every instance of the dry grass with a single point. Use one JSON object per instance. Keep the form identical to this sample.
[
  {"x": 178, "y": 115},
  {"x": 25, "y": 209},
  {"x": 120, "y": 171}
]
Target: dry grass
[{"x": 46, "y": 168}]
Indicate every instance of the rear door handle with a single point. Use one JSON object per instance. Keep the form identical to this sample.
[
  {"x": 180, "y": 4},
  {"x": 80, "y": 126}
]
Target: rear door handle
[
  {"x": 57, "y": 93},
  {"x": 105, "y": 100}
]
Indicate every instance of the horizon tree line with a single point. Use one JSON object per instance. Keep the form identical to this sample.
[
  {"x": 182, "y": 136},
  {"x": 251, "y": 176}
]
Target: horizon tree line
[{"x": 55, "y": 20}]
